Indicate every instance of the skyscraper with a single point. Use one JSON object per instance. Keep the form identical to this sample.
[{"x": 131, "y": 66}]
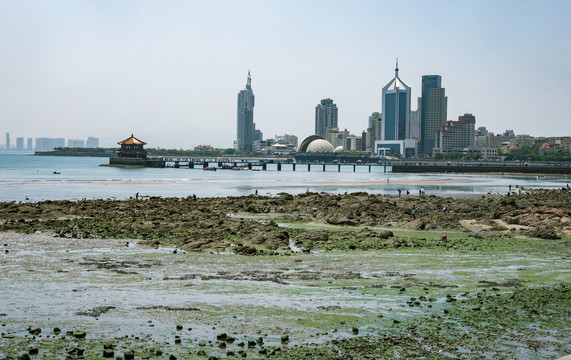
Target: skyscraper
[
  {"x": 245, "y": 125},
  {"x": 325, "y": 117},
  {"x": 396, "y": 109},
  {"x": 20, "y": 143},
  {"x": 7, "y": 141},
  {"x": 433, "y": 108}
]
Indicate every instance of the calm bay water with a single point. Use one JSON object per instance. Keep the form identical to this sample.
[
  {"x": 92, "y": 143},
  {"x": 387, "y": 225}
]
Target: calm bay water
[{"x": 31, "y": 178}]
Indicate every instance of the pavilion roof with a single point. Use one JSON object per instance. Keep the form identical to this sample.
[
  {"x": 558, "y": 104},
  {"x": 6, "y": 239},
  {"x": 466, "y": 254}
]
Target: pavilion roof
[{"x": 132, "y": 141}]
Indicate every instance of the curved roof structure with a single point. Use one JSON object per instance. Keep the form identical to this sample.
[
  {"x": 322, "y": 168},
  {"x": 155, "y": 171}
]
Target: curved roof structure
[
  {"x": 306, "y": 141},
  {"x": 338, "y": 150},
  {"x": 320, "y": 146},
  {"x": 131, "y": 141}
]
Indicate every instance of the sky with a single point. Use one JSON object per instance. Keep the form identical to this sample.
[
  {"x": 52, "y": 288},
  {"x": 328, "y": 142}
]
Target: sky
[{"x": 169, "y": 71}]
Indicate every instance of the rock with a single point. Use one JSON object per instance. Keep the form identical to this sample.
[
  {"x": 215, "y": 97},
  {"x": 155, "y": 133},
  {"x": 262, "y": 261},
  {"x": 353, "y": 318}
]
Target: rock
[
  {"x": 178, "y": 327},
  {"x": 386, "y": 234},
  {"x": 230, "y": 339},
  {"x": 221, "y": 336},
  {"x": 108, "y": 353},
  {"x": 129, "y": 355},
  {"x": 35, "y": 331},
  {"x": 79, "y": 334},
  {"x": 33, "y": 351},
  {"x": 285, "y": 338},
  {"x": 355, "y": 330},
  {"x": 24, "y": 356}
]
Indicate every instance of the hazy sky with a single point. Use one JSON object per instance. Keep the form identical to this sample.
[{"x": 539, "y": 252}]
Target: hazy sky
[{"x": 170, "y": 71}]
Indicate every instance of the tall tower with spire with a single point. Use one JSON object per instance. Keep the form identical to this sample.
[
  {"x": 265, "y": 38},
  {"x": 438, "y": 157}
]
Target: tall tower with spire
[
  {"x": 245, "y": 125},
  {"x": 396, "y": 109}
]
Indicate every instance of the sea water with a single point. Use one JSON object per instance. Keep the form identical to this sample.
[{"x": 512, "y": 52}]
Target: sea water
[{"x": 24, "y": 177}]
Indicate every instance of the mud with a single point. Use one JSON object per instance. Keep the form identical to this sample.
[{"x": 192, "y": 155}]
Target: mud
[
  {"x": 334, "y": 276},
  {"x": 66, "y": 297}
]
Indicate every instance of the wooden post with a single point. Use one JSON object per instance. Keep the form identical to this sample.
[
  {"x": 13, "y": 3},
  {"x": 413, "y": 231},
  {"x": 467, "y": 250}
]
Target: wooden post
[
  {"x": 279, "y": 167},
  {"x": 293, "y": 167},
  {"x": 323, "y": 167},
  {"x": 338, "y": 167},
  {"x": 354, "y": 168},
  {"x": 308, "y": 167},
  {"x": 264, "y": 166}
]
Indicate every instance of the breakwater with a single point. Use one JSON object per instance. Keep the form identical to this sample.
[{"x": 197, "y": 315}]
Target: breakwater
[{"x": 486, "y": 168}]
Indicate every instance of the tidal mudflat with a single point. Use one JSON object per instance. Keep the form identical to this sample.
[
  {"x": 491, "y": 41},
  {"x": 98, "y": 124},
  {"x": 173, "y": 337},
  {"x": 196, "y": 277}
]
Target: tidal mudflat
[
  {"x": 287, "y": 277},
  {"x": 85, "y": 297}
]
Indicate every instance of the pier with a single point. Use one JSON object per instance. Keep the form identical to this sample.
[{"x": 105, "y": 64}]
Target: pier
[{"x": 256, "y": 164}]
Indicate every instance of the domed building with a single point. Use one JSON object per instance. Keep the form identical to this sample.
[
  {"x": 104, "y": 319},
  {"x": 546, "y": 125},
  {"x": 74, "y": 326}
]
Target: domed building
[
  {"x": 315, "y": 144},
  {"x": 320, "y": 146},
  {"x": 314, "y": 148}
]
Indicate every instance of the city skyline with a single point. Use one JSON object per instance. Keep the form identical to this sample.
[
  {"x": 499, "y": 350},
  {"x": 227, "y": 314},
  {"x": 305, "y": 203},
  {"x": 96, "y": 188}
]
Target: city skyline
[{"x": 169, "y": 72}]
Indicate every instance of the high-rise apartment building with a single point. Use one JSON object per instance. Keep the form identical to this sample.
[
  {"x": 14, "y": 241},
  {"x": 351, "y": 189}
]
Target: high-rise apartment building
[
  {"x": 245, "y": 124},
  {"x": 20, "y": 143},
  {"x": 433, "y": 108},
  {"x": 375, "y": 123},
  {"x": 7, "y": 141},
  {"x": 75, "y": 143},
  {"x": 326, "y": 117},
  {"x": 92, "y": 142},
  {"x": 456, "y": 135},
  {"x": 48, "y": 144},
  {"x": 396, "y": 109},
  {"x": 30, "y": 145}
]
